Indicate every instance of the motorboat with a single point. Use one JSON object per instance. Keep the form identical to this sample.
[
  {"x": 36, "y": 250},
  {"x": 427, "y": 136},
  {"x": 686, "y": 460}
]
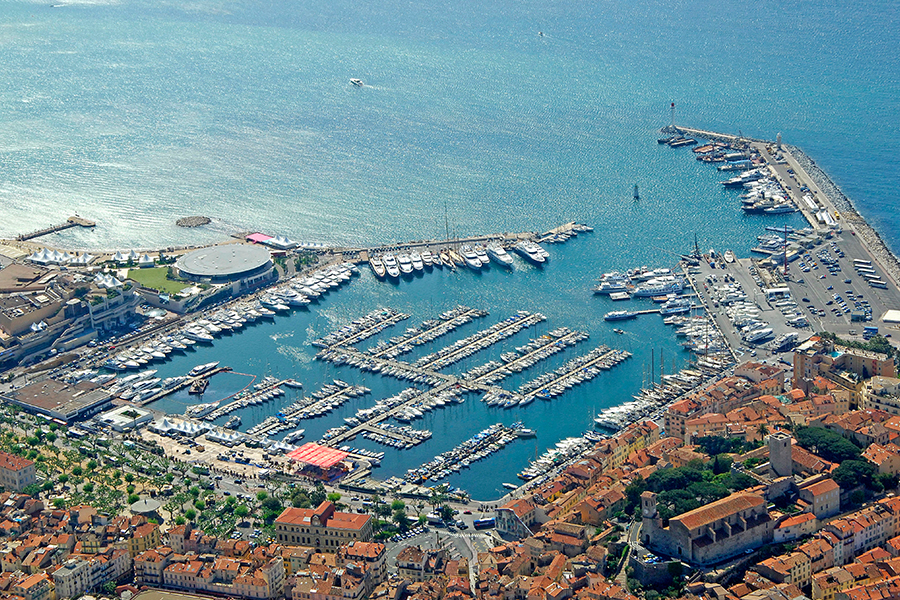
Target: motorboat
[{"x": 377, "y": 267}]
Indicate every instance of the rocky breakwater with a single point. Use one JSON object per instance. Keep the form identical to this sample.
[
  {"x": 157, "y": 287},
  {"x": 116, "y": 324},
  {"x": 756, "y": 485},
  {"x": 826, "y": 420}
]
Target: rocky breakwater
[{"x": 193, "y": 221}]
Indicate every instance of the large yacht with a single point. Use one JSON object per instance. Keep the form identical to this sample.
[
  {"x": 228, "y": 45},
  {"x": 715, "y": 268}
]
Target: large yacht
[
  {"x": 417, "y": 262},
  {"x": 500, "y": 256},
  {"x": 428, "y": 259},
  {"x": 660, "y": 286},
  {"x": 530, "y": 252},
  {"x": 482, "y": 255},
  {"x": 390, "y": 265},
  {"x": 405, "y": 263},
  {"x": 377, "y": 267},
  {"x": 619, "y": 315},
  {"x": 471, "y": 259},
  {"x": 676, "y": 306}
]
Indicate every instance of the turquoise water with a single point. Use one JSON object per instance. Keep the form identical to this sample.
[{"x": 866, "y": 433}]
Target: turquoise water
[{"x": 134, "y": 114}]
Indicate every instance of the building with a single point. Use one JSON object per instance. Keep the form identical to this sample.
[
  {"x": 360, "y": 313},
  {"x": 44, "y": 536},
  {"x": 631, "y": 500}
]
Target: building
[
  {"x": 82, "y": 573},
  {"x": 793, "y": 568},
  {"x": 885, "y": 458},
  {"x": 125, "y": 418},
  {"x": 824, "y": 497},
  {"x": 418, "y": 565},
  {"x": 60, "y": 400},
  {"x": 780, "y": 454},
  {"x": 16, "y": 472},
  {"x": 244, "y": 265},
  {"x": 322, "y": 528},
  {"x": 515, "y": 518},
  {"x": 881, "y": 393},
  {"x": 846, "y": 367},
  {"x": 711, "y": 533},
  {"x": 372, "y": 554}
]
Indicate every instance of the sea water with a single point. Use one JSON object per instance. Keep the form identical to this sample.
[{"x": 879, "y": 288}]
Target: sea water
[{"x": 474, "y": 118}]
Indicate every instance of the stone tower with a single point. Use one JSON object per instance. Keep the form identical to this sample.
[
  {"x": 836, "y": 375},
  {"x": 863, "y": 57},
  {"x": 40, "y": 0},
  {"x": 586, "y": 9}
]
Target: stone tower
[
  {"x": 780, "y": 454},
  {"x": 648, "y": 505}
]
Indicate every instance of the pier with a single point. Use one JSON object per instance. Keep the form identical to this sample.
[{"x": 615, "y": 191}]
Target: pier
[
  {"x": 402, "y": 437},
  {"x": 267, "y": 392},
  {"x": 579, "y": 369},
  {"x": 539, "y": 352},
  {"x": 450, "y": 320},
  {"x": 75, "y": 221},
  {"x": 480, "y": 340},
  {"x": 187, "y": 382},
  {"x": 361, "y": 329},
  {"x": 330, "y": 397}
]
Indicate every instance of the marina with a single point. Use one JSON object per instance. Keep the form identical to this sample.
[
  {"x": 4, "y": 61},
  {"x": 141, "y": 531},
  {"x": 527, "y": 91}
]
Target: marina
[{"x": 474, "y": 449}]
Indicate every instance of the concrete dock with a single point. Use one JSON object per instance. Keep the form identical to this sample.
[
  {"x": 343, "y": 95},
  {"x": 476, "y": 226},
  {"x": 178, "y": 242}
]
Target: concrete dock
[{"x": 75, "y": 221}]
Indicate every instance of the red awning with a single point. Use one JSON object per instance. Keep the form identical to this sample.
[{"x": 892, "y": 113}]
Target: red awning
[{"x": 318, "y": 456}]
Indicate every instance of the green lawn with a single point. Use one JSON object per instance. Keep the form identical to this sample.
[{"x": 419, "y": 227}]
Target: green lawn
[{"x": 155, "y": 278}]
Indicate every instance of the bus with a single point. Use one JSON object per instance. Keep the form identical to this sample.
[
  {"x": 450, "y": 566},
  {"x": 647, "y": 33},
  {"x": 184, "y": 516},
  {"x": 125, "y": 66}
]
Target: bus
[
  {"x": 869, "y": 332},
  {"x": 870, "y": 276},
  {"x": 877, "y": 283},
  {"x": 484, "y": 523},
  {"x": 862, "y": 270},
  {"x": 859, "y": 261}
]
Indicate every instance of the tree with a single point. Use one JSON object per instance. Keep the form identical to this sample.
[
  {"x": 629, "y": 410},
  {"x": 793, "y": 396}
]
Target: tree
[
  {"x": 401, "y": 519},
  {"x": 59, "y": 503},
  {"x": 333, "y": 497},
  {"x": 179, "y": 520},
  {"x": 132, "y": 498},
  {"x": 261, "y": 496},
  {"x": 827, "y": 444},
  {"x": 77, "y": 471},
  {"x": 199, "y": 504},
  {"x": 190, "y": 514},
  {"x": 129, "y": 477},
  {"x": 194, "y": 491},
  {"x": 48, "y": 485},
  {"x": 382, "y": 509},
  {"x": 109, "y": 587},
  {"x": 271, "y": 504},
  {"x": 51, "y": 437},
  {"x": 853, "y": 473},
  {"x": 92, "y": 464},
  {"x": 63, "y": 479},
  {"x": 398, "y": 505},
  {"x": 169, "y": 478},
  {"x": 446, "y": 513},
  {"x": 317, "y": 496},
  {"x": 241, "y": 511},
  {"x": 87, "y": 488}
]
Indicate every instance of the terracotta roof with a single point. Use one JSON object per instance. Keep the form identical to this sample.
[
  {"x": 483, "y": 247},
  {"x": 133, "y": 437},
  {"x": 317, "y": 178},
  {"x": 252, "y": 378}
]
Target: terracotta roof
[
  {"x": 13, "y": 462},
  {"x": 719, "y": 509},
  {"x": 338, "y": 520},
  {"x": 822, "y": 487},
  {"x": 519, "y": 507},
  {"x": 797, "y": 520}
]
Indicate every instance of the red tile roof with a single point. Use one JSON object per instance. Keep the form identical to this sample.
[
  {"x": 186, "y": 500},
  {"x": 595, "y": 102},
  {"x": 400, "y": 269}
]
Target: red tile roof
[
  {"x": 13, "y": 462},
  {"x": 719, "y": 509}
]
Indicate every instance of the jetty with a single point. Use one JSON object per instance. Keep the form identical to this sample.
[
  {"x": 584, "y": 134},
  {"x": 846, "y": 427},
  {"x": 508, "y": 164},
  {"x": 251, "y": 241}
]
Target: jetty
[
  {"x": 186, "y": 382},
  {"x": 578, "y": 370},
  {"x": 360, "y": 329},
  {"x": 480, "y": 340},
  {"x": 75, "y": 221},
  {"x": 430, "y": 330}
]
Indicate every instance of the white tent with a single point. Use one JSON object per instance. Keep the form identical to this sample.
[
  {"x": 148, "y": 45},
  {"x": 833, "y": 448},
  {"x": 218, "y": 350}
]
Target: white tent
[
  {"x": 145, "y": 261},
  {"x": 280, "y": 242},
  {"x": 119, "y": 257}
]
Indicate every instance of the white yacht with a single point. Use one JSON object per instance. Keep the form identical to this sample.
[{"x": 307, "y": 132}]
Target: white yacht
[
  {"x": 530, "y": 252},
  {"x": 405, "y": 263},
  {"x": 482, "y": 255},
  {"x": 471, "y": 259},
  {"x": 390, "y": 265},
  {"x": 500, "y": 256},
  {"x": 377, "y": 267},
  {"x": 417, "y": 262},
  {"x": 428, "y": 259}
]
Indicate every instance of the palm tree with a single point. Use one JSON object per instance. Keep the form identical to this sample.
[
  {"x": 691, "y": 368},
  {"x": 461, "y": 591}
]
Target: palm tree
[{"x": 762, "y": 430}]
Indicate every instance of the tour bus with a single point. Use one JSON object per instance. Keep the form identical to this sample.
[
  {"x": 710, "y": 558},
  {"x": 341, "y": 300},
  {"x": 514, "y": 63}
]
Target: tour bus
[{"x": 484, "y": 523}]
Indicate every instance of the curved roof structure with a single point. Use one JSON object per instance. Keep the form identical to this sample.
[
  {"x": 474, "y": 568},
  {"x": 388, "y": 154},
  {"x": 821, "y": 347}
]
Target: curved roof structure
[{"x": 226, "y": 262}]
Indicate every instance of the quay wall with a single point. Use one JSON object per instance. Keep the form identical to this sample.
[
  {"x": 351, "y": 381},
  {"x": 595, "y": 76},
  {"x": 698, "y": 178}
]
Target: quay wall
[{"x": 849, "y": 214}]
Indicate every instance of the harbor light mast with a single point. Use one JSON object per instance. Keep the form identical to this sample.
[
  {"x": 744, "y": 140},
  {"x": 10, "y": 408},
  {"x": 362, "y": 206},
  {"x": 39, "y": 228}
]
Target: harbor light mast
[{"x": 673, "y": 114}]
